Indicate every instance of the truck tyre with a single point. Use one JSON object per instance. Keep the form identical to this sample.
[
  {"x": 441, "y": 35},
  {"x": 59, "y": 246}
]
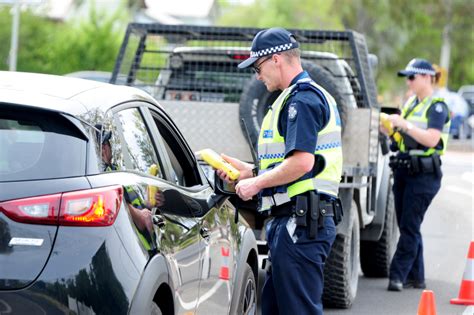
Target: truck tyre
[
  {"x": 255, "y": 99},
  {"x": 341, "y": 271},
  {"x": 375, "y": 257}
]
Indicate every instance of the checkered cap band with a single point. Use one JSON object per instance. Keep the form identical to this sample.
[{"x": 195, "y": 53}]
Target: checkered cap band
[
  {"x": 420, "y": 70},
  {"x": 271, "y": 50}
]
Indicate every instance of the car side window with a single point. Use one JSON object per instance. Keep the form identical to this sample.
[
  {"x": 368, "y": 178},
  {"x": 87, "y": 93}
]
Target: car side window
[
  {"x": 140, "y": 154},
  {"x": 184, "y": 171}
]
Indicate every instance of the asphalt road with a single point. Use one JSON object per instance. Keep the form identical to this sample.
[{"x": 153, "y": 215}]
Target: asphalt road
[{"x": 447, "y": 232}]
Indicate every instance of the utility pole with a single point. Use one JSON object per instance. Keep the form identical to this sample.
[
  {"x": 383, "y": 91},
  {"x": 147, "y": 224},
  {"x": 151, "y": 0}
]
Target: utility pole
[
  {"x": 446, "y": 46},
  {"x": 14, "y": 42},
  {"x": 12, "y": 57}
]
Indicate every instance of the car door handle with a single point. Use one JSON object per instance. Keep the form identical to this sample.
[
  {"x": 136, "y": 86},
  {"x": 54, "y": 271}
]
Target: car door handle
[
  {"x": 159, "y": 221},
  {"x": 205, "y": 233}
]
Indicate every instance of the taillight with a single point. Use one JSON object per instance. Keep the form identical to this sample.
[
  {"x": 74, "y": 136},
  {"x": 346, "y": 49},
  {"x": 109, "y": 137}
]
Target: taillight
[
  {"x": 239, "y": 56},
  {"x": 38, "y": 210},
  {"x": 93, "y": 207}
]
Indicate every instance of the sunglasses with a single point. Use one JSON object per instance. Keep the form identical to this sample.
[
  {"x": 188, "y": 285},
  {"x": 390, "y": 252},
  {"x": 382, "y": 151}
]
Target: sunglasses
[
  {"x": 411, "y": 77},
  {"x": 258, "y": 67}
]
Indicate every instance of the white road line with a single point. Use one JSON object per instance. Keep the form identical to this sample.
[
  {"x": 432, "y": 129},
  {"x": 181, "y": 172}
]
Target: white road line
[
  {"x": 469, "y": 310},
  {"x": 459, "y": 190},
  {"x": 467, "y": 176}
]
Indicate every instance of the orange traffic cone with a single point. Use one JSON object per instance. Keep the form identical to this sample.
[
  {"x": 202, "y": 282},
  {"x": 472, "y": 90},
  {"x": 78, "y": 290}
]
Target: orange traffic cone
[
  {"x": 466, "y": 292},
  {"x": 427, "y": 304}
]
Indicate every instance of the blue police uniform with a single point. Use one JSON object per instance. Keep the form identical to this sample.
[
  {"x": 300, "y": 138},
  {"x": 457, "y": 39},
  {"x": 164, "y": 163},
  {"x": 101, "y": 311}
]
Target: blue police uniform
[
  {"x": 414, "y": 191},
  {"x": 295, "y": 282},
  {"x": 304, "y": 118}
]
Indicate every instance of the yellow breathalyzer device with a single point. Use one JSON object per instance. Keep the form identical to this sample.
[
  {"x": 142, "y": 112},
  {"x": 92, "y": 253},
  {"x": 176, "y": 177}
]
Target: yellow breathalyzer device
[
  {"x": 388, "y": 125},
  {"x": 216, "y": 161},
  {"x": 151, "y": 190}
]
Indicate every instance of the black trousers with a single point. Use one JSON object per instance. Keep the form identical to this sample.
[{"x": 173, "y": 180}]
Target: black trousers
[{"x": 413, "y": 194}]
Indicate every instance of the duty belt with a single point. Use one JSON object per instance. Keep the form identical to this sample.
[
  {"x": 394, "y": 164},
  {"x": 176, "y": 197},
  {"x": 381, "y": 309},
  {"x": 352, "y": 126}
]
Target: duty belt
[
  {"x": 418, "y": 164},
  {"x": 326, "y": 208}
]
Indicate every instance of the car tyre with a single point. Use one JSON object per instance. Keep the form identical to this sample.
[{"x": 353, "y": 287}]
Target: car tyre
[
  {"x": 155, "y": 309},
  {"x": 247, "y": 301}
]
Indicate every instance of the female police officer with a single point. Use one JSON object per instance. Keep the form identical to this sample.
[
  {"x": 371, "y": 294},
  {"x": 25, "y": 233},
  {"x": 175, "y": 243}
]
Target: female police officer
[
  {"x": 300, "y": 163},
  {"x": 424, "y": 126}
]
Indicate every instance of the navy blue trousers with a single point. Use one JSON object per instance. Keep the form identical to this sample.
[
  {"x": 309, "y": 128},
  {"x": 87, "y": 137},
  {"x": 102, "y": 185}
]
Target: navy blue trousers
[
  {"x": 295, "y": 283},
  {"x": 413, "y": 194}
]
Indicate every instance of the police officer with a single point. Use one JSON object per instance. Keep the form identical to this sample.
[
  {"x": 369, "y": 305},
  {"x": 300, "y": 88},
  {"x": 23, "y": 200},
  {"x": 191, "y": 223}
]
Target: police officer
[
  {"x": 424, "y": 128},
  {"x": 300, "y": 163}
]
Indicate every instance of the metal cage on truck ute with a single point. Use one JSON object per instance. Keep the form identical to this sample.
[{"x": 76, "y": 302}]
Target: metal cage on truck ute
[{"x": 192, "y": 72}]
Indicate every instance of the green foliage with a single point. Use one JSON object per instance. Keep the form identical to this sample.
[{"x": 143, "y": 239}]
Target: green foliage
[
  {"x": 396, "y": 31},
  {"x": 58, "y": 48},
  {"x": 304, "y": 14}
]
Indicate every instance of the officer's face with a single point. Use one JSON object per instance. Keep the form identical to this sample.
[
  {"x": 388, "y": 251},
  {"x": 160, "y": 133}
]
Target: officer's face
[
  {"x": 418, "y": 82},
  {"x": 265, "y": 71}
]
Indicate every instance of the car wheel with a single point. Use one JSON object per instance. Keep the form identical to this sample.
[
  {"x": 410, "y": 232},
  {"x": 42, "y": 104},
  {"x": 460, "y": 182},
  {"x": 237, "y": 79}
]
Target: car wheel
[
  {"x": 247, "y": 302},
  {"x": 155, "y": 309}
]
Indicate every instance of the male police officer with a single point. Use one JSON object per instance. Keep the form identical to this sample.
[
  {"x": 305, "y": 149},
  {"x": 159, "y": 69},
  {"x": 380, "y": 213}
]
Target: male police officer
[
  {"x": 424, "y": 128},
  {"x": 300, "y": 163}
]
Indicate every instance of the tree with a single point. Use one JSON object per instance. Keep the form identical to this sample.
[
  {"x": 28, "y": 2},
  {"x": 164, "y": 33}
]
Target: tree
[{"x": 47, "y": 46}]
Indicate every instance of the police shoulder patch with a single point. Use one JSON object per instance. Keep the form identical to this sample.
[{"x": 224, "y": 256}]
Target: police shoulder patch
[
  {"x": 439, "y": 108},
  {"x": 292, "y": 112}
]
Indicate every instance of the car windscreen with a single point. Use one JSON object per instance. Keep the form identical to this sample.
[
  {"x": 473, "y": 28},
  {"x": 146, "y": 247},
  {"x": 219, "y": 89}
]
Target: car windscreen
[{"x": 36, "y": 144}]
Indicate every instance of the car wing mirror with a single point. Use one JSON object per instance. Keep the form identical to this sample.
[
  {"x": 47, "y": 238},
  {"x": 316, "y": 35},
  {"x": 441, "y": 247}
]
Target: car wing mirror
[{"x": 221, "y": 187}]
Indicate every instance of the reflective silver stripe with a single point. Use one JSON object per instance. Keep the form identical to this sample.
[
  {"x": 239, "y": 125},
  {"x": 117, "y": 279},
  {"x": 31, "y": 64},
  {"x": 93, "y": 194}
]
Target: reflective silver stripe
[
  {"x": 266, "y": 203},
  {"x": 281, "y": 198},
  {"x": 276, "y": 200},
  {"x": 469, "y": 271},
  {"x": 324, "y": 184},
  {"x": 330, "y": 137},
  {"x": 419, "y": 124},
  {"x": 272, "y": 148},
  {"x": 424, "y": 125}
]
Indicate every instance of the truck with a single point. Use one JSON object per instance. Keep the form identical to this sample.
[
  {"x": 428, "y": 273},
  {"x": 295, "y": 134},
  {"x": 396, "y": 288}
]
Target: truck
[{"x": 192, "y": 72}]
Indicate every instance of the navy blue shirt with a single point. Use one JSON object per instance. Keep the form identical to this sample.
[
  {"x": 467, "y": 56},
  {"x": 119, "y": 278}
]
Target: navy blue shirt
[{"x": 304, "y": 114}]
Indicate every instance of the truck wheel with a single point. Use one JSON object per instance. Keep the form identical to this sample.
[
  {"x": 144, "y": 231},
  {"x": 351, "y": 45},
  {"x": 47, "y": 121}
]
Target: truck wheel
[
  {"x": 341, "y": 271},
  {"x": 255, "y": 99},
  {"x": 375, "y": 257}
]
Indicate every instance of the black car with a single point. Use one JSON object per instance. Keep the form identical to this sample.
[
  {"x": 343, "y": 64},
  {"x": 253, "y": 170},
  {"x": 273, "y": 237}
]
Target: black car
[{"x": 139, "y": 232}]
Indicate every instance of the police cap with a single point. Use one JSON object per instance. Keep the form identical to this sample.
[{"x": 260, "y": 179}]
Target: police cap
[
  {"x": 268, "y": 42},
  {"x": 417, "y": 66}
]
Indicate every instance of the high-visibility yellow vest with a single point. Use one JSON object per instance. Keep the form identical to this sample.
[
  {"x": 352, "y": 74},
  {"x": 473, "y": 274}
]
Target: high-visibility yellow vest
[
  {"x": 418, "y": 117},
  {"x": 271, "y": 150}
]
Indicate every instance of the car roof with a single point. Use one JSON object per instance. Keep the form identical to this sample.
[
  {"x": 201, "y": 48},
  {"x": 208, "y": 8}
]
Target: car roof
[{"x": 65, "y": 94}]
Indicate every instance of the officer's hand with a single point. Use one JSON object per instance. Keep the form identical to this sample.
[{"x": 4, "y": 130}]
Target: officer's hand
[
  {"x": 247, "y": 188},
  {"x": 397, "y": 121},
  {"x": 223, "y": 175},
  {"x": 245, "y": 169},
  {"x": 384, "y": 130}
]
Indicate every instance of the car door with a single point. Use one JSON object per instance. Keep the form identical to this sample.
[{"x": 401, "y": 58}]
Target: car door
[
  {"x": 175, "y": 232},
  {"x": 214, "y": 217}
]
